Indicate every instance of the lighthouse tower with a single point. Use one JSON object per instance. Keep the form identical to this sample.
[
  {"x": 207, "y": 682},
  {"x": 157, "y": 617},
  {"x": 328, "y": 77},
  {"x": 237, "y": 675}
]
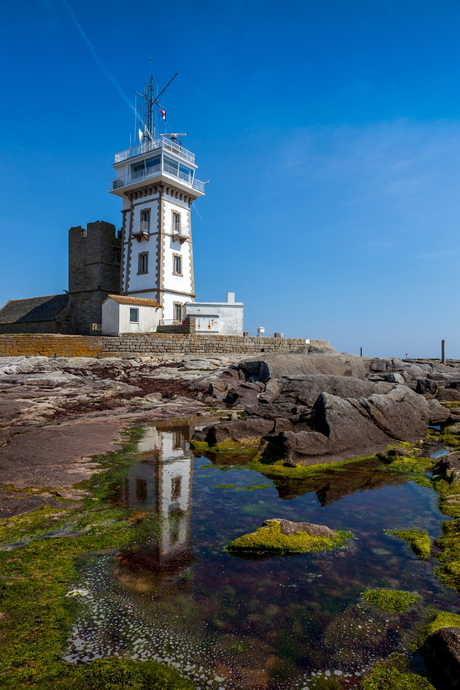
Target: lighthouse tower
[{"x": 156, "y": 181}]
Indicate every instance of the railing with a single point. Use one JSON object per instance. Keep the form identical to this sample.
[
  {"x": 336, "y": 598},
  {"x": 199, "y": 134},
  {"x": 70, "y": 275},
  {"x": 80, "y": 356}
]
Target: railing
[
  {"x": 158, "y": 142},
  {"x": 154, "y": 170}
]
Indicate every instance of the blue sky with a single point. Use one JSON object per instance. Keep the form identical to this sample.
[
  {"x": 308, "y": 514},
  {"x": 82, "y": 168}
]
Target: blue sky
[{"x": 329, "y": 131}]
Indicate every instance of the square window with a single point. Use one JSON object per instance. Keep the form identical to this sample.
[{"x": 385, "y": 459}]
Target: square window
[{"x": 133, "y": 315}]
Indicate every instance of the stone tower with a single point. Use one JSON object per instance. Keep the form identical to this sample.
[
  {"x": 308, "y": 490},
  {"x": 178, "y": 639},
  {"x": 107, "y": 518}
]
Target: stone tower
[
  {"x": 94, "y": 272},
  {"x": 156, "y": 181}
]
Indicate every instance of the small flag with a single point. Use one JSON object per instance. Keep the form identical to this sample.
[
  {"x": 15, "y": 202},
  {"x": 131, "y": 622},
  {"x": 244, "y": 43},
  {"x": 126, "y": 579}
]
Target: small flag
[{"x": 163, "y": 114}]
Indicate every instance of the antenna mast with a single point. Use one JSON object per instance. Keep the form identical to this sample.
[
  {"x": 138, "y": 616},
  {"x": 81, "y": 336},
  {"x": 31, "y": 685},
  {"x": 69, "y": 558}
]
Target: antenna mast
[{"x": 149, "y": 104}]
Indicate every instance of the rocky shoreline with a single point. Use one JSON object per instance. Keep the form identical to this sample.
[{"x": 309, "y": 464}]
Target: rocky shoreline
[{"x": 288, "y": 412}]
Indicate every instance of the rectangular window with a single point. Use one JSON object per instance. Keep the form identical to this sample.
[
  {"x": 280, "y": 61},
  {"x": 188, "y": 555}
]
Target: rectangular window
[
  {"x": 143, "y": 263},
  {"x": 133, "y": 315},
  {"x": 176, "y": 488},
  {"x": 176, "y": 223},
  {"x": 137, "y": 170},
  {"x": 177, "y": 311},
  {"x": 177, "y": 264},
  {"x": 141, "y": 490},
  {"x": 145, "y": 220}
]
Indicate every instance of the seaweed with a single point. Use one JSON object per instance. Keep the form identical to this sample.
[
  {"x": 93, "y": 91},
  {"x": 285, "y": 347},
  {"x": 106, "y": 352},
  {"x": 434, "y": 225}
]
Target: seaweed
[
  {"x": 391, "y": 600},
  {"x": 418, "y": 540}
]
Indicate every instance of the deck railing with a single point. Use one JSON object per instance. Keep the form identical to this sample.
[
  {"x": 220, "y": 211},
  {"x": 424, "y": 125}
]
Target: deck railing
[{"x": 157, "y": 143}]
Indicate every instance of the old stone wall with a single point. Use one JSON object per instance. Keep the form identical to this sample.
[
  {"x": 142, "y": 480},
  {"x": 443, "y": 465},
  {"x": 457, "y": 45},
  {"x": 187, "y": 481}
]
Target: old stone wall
[
  {"x": 139, "y": 344},
  {"x": 30, "y": 327},
  {"x": 50, "y": 345},
  {"x": 94, "y": 272}
]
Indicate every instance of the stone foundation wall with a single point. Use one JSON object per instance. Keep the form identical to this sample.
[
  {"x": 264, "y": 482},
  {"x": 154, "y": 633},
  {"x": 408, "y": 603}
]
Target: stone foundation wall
[
  {"x": 50, "y": 345},
  {"x": 144, "y": 344}
]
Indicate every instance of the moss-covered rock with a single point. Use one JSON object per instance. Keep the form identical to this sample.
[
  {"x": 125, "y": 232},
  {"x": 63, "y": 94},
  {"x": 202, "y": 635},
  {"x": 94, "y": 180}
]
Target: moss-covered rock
[
  {"x": 393, "y": 674},
  {"x": 442, "y": 619},
  {"x": 271, "y": 539},
  {"x": 391, "y": 600},
  {"x": 418, "y": 540}
]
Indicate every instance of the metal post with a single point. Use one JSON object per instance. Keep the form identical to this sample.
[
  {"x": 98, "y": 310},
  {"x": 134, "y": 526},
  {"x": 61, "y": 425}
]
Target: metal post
[
  {"x": 360, "y": 351},
  {"x": 443, "y": 351}
]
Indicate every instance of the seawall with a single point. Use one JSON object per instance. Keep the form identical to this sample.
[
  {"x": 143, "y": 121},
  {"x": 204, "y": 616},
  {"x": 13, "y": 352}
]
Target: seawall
[{"x": 140, "y": 344}]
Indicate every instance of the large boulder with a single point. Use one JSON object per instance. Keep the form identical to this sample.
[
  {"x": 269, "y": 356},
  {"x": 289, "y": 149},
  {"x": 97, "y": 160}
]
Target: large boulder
[
  {"x": 441, "y": 653},
  {"x": 345, "y": 428},
  {"x": 339, "y": 432},
  {"x": 304, "y": 390}
]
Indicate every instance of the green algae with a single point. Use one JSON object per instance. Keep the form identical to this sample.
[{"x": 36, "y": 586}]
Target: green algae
[
  {"x": 418, "y": 540},
  {"x": 270, "y": 539},
  {"x": 37, "y": 615},
  {"x": 237, "y": 487},
  {"x": 391, "y": 600},
  {"x": 441, "y": 619},
  {"x": 278, "y": 469},
  {"x": 449, "y": 557},
  {"x": 249, "y": 445},
  {"x": 393, "y": 674}
]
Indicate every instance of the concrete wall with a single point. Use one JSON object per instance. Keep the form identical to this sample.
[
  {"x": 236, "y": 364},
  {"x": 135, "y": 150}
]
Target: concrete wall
[{"x": 145, "y": 344}]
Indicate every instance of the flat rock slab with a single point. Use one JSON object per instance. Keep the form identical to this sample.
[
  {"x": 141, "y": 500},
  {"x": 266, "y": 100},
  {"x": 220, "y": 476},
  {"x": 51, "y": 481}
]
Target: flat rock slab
[
  {"x": 56, "y": 455},
  {"x": 15, "y": 503}
]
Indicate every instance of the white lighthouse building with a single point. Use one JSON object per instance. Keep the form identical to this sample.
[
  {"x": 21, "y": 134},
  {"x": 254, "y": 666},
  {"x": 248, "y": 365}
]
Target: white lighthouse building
[{"x": 157, "y": 183}]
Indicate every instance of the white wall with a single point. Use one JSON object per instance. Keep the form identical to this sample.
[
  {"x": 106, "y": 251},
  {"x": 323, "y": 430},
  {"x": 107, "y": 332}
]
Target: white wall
[
  {"x": 230, "y": 316},
  {"x": 116, "y": 316},
  {"x": 144, "y": 281},
  {"x": 110, "y": 317}
]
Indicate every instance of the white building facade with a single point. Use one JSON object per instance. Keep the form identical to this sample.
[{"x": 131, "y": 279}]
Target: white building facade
[
  {"x": 156, "y": 181},
  {"x": 125, "y": 314},
  {"x": 216, "y": 318}
]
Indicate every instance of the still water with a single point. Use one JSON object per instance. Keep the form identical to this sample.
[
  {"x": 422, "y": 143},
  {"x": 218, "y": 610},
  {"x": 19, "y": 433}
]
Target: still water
[{"x": 177, "y": 596}]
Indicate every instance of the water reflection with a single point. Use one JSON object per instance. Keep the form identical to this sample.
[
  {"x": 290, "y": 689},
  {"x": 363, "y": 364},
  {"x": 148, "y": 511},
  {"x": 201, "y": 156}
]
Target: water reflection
[
  {"x": 161, "y": 483},
  {"x": 174, "y": 594}
]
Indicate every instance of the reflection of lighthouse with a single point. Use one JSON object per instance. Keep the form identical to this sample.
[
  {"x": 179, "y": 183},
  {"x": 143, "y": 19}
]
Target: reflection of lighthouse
[{"x": 162, "y": 483}]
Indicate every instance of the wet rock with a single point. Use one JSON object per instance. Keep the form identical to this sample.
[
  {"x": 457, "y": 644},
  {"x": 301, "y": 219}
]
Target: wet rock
[
  {"x": 288, "y": 527},
  {"x": 448, "y": 467},
  {"x": 441, "y": 653},
  {"x": 247, "y": 432},
  {"x": 393, "y": 454}
]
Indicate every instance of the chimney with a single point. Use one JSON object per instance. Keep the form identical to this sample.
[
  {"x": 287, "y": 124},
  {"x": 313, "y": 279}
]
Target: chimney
[{"x": 230, "y": 298}]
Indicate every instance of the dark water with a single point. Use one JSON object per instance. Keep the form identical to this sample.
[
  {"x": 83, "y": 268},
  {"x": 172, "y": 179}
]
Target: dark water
[{"x": 175, "y": 595}]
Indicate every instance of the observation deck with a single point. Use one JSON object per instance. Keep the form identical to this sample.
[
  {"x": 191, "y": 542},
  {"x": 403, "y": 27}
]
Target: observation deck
[{"x": 159, "y": 159}]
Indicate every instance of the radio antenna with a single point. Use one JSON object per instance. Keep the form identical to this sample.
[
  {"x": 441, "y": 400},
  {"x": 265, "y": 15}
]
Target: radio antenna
[{"x": 149, "y": 104}]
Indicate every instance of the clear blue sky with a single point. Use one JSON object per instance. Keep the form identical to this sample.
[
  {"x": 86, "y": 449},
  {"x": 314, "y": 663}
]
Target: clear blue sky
[{"x": 329, "y": 131}]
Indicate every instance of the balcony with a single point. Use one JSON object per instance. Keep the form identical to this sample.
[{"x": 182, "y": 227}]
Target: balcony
[
  {"x": 157, "y": 143},
  {"x": 161, "y": 169}
]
